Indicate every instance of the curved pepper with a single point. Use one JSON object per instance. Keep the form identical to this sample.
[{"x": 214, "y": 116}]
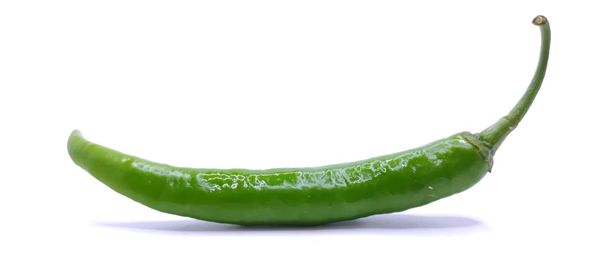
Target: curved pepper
[{"x": 310, "y": 196}]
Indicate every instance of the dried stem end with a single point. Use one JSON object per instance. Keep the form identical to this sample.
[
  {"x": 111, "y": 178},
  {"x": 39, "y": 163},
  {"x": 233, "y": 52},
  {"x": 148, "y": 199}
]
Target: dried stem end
[{"x": 539, "y": 20}]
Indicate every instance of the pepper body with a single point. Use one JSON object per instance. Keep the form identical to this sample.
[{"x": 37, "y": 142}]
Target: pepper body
[{"x": 290, "y": 196}]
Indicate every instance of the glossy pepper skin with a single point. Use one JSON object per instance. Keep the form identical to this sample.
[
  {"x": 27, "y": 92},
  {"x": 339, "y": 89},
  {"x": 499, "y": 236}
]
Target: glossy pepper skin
[
  {"x": 300, "y": 196},
  {"x": 310, "y": 196}
]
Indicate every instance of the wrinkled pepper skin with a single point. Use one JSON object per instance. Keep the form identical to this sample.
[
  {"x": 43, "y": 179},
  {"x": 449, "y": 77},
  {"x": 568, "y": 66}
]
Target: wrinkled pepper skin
[
  {"x": 298, "y": 196},
  {"x": 312, "y": 196}
]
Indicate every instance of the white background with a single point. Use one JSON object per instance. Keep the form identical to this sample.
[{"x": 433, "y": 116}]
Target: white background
[{"x": 262, "y": 84}]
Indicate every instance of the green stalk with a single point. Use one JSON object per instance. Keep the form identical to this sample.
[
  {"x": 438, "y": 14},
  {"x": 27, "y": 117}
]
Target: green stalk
[{"x": 494, "y": 135}]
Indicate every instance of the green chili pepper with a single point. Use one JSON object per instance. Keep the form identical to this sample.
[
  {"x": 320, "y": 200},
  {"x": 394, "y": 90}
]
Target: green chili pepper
[{"x": 311, "y": 196}]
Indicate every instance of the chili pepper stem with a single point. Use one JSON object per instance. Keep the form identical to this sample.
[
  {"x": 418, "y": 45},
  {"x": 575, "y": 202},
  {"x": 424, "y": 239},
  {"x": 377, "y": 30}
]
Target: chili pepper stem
[{"x": 494, "y": 135}]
